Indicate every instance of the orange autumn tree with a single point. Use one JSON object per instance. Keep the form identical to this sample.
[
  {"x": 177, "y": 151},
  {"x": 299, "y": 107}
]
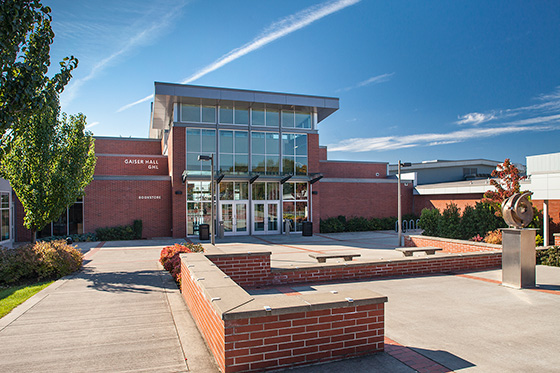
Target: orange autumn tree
[{"x": 506, "y": 186}]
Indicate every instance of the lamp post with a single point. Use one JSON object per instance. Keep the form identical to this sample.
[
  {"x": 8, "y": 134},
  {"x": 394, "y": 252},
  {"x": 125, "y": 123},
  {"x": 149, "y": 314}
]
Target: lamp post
[
  {"x": 211, "y": 159},
  {"x": 399, "y": 214}
]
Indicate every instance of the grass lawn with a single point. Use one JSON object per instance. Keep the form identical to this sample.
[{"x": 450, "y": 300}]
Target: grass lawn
[{"x": 11, "y": 297}]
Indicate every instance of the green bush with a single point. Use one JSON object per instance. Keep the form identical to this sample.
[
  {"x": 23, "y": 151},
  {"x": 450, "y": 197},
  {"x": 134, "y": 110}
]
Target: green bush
[
  {"x": 429, "y": 222},
  {"x": 468, "y": 226},
  {"x": 43, "y": 260},
  {"x": 549, "y": 257},
  {"x": 486, "y": 219},
  {"x": 357, "y": 225},
  {"x": 84, "y": 237},
  {"x": 124, "y": 232},
  {"x": 331, "y": 225},
  {"x": 450, "y": 222}
]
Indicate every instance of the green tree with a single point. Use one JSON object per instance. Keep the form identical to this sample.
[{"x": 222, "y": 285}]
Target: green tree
[
  {"x": 429, "y": 222},
  {"x": 25, "y": 39},
  {"x": 449, "y": 223},
  {"x": 49, "y": 164}
]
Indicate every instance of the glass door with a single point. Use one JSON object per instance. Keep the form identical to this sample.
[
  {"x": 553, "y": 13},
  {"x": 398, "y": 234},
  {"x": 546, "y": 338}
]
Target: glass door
[
  {"x": 265, "y": 217},
  {"x": 234, "y": 216}
]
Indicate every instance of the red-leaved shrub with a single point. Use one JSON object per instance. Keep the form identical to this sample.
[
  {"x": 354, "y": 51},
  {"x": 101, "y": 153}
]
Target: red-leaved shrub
[{"x": 170, "y": 260}]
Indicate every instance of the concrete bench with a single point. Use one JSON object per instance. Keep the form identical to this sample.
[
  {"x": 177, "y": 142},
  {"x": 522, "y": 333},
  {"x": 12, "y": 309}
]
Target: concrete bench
[
  {"x": 409, "y": 251},
  {"x": 322, "y": 258}
]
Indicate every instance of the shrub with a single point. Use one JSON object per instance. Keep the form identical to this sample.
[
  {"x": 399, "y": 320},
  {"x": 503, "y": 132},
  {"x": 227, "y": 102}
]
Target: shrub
[
  {"x": 494, "y": 237},
  {"x": 170, "y": 260},
  {"x": 331, "y": 225},
  {"x": 468, "y": 227},
  {"x": 539, "y": 241},
  {"x": 429, "y": 221},
  {"x": 549, "y": 257},
  {"x": 84, "y": 237},
  {"x": 388, "y": 224},
  {"x": 357, "y": 225},
  {"x": 124, "y": 232},
  {"x": 477, "y": 238},
  {"x": 43, "y": 260},
  {"x": 56, "y": 259},
  {"x": 486, "y": 218},
  {"x": 450, "y": 222}
]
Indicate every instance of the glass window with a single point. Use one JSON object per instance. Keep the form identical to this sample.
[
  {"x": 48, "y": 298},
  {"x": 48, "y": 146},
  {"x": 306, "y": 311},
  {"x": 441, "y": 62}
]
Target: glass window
[
  {"x": 226, "y": 191},
  {"x": 301, "y": 215},
  {"x": 272, "y": 165},
  {"x": 272, "y": 118},
  {"x": 259, "y": 191},
  {"x": 273, "y": 191},
  {"x": 190, "y": 113},
  {"x": 258, "y": 142},
  {"x": 208, "y": 141},
  {"x": 257, "y": 117},
  {"x": 241, "y": 116},
  {"x": 241, "y": 142},
  {"x": 258, "y": 163},
  {"x": 288, "y": 191},
  {"x": 288, "y": 144},
  {"x": 272, "y": 143},
  {"x": 289, "y": 213},
  {"x": 303, "y": 120},
  {"x": 226, "y": 142},
  {"x": 226, "y": 114},
  {"x": 288, "y": 118},
  {"x": 301, "y": 165},
  {"x": 193, "y": 140},
  {"x": 209, "y": 114},
  {"x": 241, "y": 191},
  {"x": 241, "y": 163},
  {"x": 301, "y": 144},
  {"x": 226, "y": 163},
  {"x": 301, "y": 191},
  {"x": 288, "y": 164},
  {"x": 76, "y": 219}
]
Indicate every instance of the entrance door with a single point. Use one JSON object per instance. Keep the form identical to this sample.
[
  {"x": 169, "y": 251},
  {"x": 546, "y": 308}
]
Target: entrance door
[
  {"x": 266, "y": 217},
  {"x": 234, "y": 216}
]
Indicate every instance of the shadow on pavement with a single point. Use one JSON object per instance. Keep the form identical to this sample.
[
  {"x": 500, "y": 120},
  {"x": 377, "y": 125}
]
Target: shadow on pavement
[{"x": 143, "y": 281}]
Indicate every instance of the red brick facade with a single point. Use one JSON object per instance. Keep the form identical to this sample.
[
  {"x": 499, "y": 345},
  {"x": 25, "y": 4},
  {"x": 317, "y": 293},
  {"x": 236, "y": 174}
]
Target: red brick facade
[{"x": 440, "y": 201}]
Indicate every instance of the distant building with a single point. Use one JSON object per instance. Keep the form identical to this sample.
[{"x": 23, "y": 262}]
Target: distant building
[{"x": 445, "y": 171}]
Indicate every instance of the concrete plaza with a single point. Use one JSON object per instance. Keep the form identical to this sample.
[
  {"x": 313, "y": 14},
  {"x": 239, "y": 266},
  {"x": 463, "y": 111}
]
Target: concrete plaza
[{"x": 123, "y": 313}]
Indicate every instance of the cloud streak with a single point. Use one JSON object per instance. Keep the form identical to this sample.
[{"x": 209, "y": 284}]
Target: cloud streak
[
  {"x": 276, "y": 31},
  {"x": 373, "y": 80},
  {"x": 540, "y": 117},
  {"x": 145, "y": 33}
]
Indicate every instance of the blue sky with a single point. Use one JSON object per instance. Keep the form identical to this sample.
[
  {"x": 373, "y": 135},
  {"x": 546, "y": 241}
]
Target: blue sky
[{"x": 416, "y": 80}]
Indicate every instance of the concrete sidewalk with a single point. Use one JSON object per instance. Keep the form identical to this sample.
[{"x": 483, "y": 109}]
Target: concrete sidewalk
[{"x": 121, "y": 313}]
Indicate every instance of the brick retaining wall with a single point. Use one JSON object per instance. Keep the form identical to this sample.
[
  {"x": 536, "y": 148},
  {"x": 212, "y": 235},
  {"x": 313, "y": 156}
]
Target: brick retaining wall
[{"x": 449, "y": 245}]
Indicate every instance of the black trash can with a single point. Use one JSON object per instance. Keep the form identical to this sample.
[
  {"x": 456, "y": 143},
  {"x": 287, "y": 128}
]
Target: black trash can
[
  {"x": 307, "y": 229},
  {"x": 204, "y": 232}
]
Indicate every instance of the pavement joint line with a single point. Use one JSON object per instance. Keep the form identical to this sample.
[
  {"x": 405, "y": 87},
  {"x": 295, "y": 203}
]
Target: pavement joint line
[
  {"x": 291, "y": 247},
  {"x": 547, "y": 291},
  {"x": 413, "y": 359}
]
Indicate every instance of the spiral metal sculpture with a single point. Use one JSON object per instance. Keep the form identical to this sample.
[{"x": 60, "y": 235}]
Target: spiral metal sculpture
[{"x": 517, "y": 210}]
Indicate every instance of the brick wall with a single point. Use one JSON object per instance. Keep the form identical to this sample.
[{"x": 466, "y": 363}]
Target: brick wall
[
  {"x": 386, "y": 268},
  {"x": 360, "y": 199},
  {"x": 440, "y": 201},
  {"x": 244, "y": 337},
  {"x": 177, "y": 154},
  {"x": 557, "y": 239},
  {"x": 282, "y": 341},
  {"x": 131, "y": 165},
  {"x": 248, "y": 270},
  {"x": 110, "y": 203},
  {"x": 104, "y": 145},
  {"x": 448, "y": 245},
  {"x": 207, "y": 319},
  {"x": 354, "y": 170}
]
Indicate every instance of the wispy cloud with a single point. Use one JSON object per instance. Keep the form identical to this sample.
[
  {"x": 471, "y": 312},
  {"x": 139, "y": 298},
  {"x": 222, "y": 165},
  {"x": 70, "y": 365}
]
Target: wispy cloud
[
  {"x": 276, "y": 31},
  {"x": 475, "y": 118},
  {"x": 373, "y": 80},
  {"x": 92, "y": 125},
  {"x": 144, "y": 31},
  {"x": 543, "y": 116}
]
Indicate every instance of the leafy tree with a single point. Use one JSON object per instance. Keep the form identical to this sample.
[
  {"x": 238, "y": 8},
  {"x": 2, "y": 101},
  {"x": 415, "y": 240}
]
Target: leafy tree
[
  {"x": 506, "y": 186},
  {"x": 25, "y": 39},
  {"x": 50, "y": 163},
  {"x": 468, "y": 226}
]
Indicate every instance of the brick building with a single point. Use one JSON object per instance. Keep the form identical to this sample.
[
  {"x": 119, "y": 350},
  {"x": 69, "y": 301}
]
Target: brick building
[{"x": 268, "y": 163}]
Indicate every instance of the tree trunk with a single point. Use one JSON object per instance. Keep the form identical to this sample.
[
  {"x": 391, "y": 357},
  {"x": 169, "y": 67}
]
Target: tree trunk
[{"x": 33, "y": 236}]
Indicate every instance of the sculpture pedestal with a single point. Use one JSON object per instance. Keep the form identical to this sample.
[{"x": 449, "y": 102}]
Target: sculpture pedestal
[{"x": 518, "y": 257}]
